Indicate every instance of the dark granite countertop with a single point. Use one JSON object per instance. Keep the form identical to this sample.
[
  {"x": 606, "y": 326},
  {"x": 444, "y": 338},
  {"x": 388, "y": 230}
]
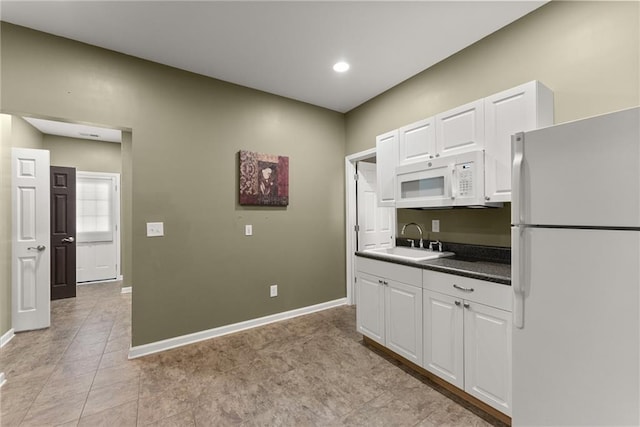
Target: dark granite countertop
[{"x": 498, "y": 272}]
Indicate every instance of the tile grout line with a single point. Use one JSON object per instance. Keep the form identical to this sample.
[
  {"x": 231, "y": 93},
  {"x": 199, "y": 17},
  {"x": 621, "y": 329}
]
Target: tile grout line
[
  {"x": 96, "y": 373},
  {"x": 71, "y": 342},
  {"x": 54, "y": 368},
  {"x": 97, "y": 368}
]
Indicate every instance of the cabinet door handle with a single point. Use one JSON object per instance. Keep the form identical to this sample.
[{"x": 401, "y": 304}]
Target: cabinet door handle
[
  {"x": 458, "y": 303},
  {"x": 463, "y": 289},
  {"x": 466, "y": 305},
  {"x": 380, "y": 281},
  {"x": 386, "y": 283}
]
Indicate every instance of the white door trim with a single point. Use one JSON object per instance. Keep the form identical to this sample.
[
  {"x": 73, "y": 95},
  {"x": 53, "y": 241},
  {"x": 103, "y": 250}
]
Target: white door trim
[{"x": 351, "y": 213}]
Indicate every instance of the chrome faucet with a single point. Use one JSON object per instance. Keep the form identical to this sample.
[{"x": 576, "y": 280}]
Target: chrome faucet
[
  {"x": 437, "y": 242},
  {"x": 404, "y": 227}
]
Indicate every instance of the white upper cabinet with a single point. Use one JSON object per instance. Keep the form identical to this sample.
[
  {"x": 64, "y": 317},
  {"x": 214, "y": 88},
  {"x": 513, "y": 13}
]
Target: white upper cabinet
[
  {"x": 461, "y": 129},
  {"x": 520, "y": 109},
  {"x": 486, "y": 124},
  {"x": 417, "y": 142},
  {"x": 387, "y": 160}
]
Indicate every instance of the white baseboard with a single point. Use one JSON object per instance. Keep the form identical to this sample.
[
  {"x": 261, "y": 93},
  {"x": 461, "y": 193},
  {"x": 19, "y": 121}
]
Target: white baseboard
[
  {"x": 158, "y": 346},
  {"x": 8, "y": 336},
  {"x": 126, "y": 290},
  {"x": 2, "y": 379}
]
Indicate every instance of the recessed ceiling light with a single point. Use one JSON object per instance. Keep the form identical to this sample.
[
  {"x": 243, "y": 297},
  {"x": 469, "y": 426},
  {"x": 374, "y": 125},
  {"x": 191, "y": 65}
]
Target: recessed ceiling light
[{"x": 340, "y": 67}]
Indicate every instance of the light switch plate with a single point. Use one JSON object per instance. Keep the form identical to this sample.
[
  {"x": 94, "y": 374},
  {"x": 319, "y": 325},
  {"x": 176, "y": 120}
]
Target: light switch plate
[
  {"x": 273, "y": 291},
  {"x": 435, "y": 225},
  {"x": 248, "y": 230},
  {"x": 155, "y": 229}
]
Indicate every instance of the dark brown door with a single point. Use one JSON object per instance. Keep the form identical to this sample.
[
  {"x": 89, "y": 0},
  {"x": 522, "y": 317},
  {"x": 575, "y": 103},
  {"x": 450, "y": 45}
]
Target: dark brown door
[{"x": 63, "y": 232}]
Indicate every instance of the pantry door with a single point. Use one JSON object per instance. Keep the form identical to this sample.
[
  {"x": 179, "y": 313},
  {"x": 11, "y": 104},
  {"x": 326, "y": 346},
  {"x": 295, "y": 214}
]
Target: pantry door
[
  {"x": 30, "y": 259},
  {"x": 376, "y": 224}
]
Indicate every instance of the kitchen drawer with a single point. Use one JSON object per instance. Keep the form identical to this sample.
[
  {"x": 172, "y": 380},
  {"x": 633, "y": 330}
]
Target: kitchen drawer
[
  {"x": 389, "y": 270},
  {"x": 488, "y": 293}
]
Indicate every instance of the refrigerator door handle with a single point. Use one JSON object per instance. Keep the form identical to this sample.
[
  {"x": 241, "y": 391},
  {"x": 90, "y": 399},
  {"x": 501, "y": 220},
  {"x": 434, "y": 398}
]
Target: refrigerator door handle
[
  {"x": 518, "y": 276},
  {"x": 517, "y": 153}
]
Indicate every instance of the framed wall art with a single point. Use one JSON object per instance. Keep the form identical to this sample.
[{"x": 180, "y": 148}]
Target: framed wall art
[{"x": 264, "y": 179}]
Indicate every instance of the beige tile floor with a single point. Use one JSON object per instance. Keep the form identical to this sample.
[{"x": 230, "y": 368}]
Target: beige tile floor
[{"x": 309, "y": 371}]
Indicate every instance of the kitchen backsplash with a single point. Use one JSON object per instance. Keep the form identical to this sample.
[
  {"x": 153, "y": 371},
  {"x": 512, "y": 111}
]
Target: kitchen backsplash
[
  {"x": 497, "y": 254},
  {"x": 487, "y": 227}
]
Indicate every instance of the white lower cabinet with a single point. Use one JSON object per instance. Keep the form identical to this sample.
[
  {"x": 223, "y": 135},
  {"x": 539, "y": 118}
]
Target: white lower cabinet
[
  {"x": 403, "y": 320},
  {"x": 370, "y": 308},
  {"x": 443, "y": 337},
  {"x": 468, "y": 342},
  {"x": 455, "y": 327},
  {"x": 389, "y": 310},
  {"x": 487, "y": 355}
]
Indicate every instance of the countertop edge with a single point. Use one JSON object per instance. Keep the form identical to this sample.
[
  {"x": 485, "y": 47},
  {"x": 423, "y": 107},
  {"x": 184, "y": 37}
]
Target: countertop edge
[{"x": 428, "y": 265}]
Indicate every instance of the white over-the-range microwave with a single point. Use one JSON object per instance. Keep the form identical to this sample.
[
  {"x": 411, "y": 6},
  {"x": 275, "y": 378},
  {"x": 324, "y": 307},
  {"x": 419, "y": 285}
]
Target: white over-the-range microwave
[{"x": 443, "y": 182}]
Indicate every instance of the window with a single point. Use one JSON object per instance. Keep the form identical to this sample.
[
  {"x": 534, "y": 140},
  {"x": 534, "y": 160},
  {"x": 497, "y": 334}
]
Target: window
[{"x": 95, "y": 208}]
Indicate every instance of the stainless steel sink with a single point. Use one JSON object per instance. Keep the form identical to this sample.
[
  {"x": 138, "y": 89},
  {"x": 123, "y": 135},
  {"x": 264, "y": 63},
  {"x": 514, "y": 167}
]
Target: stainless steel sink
[{"x": 409, "y": 254}]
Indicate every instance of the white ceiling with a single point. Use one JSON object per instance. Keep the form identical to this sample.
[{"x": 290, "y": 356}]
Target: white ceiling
[
  {"x": 286, "y": 48},
  {"x": 73, "y": 130}
]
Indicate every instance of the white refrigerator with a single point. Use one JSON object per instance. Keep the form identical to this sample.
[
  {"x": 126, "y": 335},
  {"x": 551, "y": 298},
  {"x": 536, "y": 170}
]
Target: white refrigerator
[{"x": 576, "y": 273}]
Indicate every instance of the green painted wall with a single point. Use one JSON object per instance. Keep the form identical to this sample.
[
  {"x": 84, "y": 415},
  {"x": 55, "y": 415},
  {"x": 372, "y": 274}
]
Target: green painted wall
[
  {"x": 14, "y": 132},
  {"x": 588, "y": 53},
  {"x": 83, "y": 154},
  {"x": 187, "y": 131},
  {"x": 490, "y": 227}
]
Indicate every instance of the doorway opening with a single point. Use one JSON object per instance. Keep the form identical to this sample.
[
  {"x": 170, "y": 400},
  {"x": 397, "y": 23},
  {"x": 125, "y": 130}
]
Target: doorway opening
[
  {"x": 98, "y": 227},
  {"x": 367, "y": 226},
  {"x": 80, "y": 148}
]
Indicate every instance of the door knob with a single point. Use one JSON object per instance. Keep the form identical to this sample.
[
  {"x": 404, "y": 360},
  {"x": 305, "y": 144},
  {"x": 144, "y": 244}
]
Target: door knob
[
  {"x": 38, "y": 248},
  {"x": 68, "y": 240}
]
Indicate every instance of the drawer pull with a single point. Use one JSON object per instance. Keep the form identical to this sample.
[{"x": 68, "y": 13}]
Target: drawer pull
[{"x": 463, "y": 289}]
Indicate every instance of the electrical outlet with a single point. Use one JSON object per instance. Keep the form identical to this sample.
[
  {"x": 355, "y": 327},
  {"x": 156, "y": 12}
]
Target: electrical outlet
[
  {"x": 435, "y": 225},
  {"x": 248, "y": 230},
  {"x": 155, "y": 229},
  {"x": 273, "y": 291}
]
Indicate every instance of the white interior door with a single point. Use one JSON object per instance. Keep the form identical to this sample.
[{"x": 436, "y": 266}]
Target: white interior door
[
  {"x": 30, "y": 259},
  {"x": 376, "y": 224},
  {"x": 98, "y": 217}
]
